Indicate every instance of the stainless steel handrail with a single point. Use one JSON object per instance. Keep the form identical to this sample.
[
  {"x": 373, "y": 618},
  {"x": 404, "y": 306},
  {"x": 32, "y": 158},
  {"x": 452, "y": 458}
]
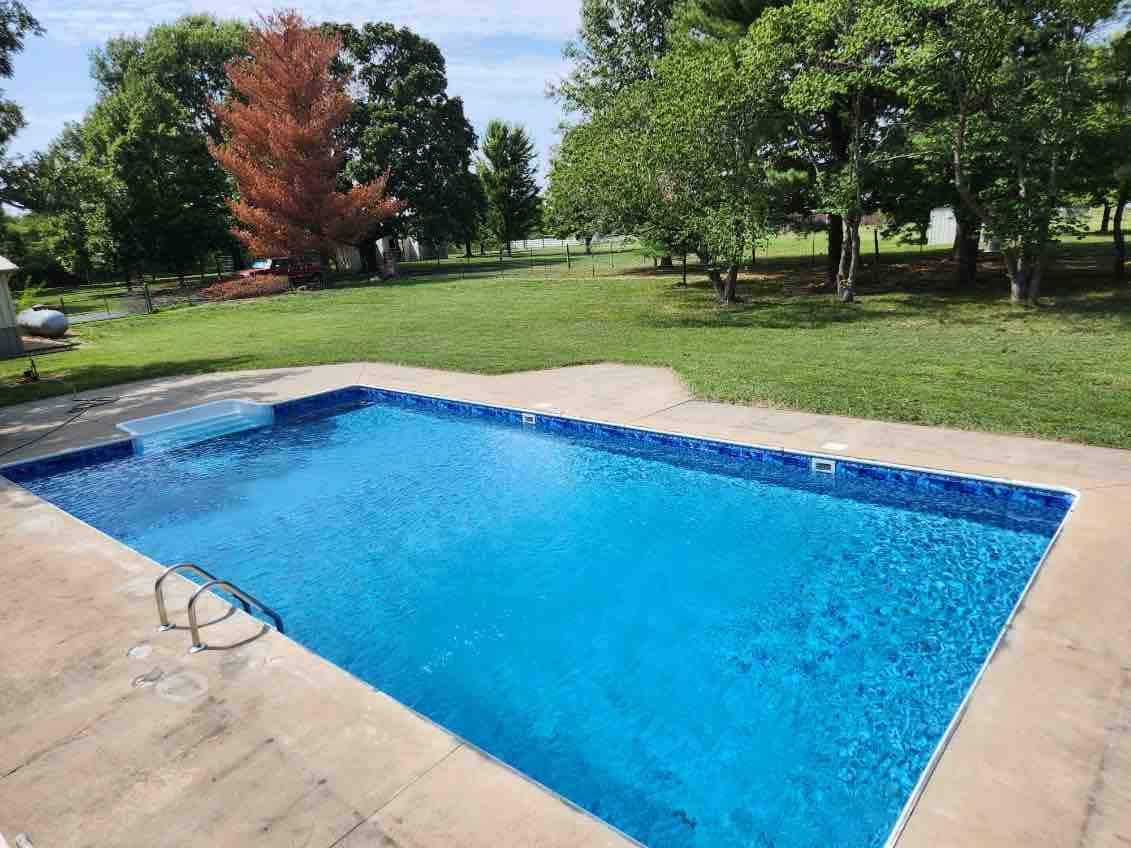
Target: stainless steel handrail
[
  {"x": 162, "y": 616},
  {"x": 244, "y": 598}
]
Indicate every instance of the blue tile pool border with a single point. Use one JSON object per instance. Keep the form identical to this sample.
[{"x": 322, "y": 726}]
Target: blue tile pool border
[
  {"x": 349, "y": 397},
  {"x": 355, "y": 396},
  {"x": 918, "y": 478}
]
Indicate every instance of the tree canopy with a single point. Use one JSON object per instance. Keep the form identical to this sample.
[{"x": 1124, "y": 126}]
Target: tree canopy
[
  {"x": 843, "y": 109},
  {"x": 405, "y": 123},
  {"x": 507, "y": 169},
  {"x": 279, "y": 145}
]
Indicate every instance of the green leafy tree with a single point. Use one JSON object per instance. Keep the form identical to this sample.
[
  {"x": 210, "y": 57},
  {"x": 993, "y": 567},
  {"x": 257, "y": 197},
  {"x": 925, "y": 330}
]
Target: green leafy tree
[
  {"x": 185, "y": 58},
  {"x": 708, "y": 138},
  {"x": 1108, "y": 146},
  {"x": 165, "y": 204},
  {"x": 1008, "y": 83},
  {"x": 822, "y": 63},
  {"x": 469, "y": 210},
  {"x": 507, "y": 169},
  {"x": 617, "y": 44},
  {"x": 404, "y": 122},
  {"x": 16, "y": 23}
]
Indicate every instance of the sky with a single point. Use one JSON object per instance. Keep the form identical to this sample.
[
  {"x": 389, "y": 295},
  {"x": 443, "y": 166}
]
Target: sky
[{"x": 500, "y": 53}]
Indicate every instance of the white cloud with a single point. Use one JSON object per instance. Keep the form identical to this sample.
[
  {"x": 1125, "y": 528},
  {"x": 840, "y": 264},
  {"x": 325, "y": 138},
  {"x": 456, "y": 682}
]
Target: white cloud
[
  {"x": 500, "y": 54},
  {"x": 85, "y": 21}
]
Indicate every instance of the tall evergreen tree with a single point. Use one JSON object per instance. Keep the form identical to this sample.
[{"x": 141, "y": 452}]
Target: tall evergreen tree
[
  {"x": 507, "y": 169},
  {"x": 281, "y": 147}
]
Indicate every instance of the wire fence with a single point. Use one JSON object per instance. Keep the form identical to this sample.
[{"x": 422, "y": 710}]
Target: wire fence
[{"x": 102, "y": 301}]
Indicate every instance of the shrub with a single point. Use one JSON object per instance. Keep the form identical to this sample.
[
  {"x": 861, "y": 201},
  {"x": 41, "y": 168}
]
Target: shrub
[{"x": 241, "y": 287}]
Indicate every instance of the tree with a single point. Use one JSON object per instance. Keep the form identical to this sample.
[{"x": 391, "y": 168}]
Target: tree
[
  {"x": 164, "y": 198},
  {"x": 604, "y": 179},
  {"x": 708, "y": 138},
  {"x": 469, "y": 209},
  {"x": 507, "y": 170},
  {"x": 70, "y": 194},
  {"x": 823, "y": 62},
  {"x": 404, "y": 121},
  {"x": 1007, "y": 82},
  {"x": 616, "y": 45},
  {"x": 281, "y": 148},
  {"x": 16, "y": 23},
  {"x": 185, "y": 59},
  {"x": 161, "y": 199},
  {"x": 1109, "y": 148}
]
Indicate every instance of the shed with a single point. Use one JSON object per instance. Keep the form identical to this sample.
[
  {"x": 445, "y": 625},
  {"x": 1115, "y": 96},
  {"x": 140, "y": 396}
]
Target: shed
[{"x": 10, "y": 343}]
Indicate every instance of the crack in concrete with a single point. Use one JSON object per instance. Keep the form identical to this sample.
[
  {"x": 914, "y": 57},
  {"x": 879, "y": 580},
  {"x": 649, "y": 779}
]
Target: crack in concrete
[
  {"x": 1118, "y": 728},
  {"x": 396, "y": 795}
]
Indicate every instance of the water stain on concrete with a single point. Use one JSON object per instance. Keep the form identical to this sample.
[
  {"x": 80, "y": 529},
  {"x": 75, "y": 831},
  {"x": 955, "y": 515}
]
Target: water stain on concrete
[{"x": 182, "y": 687}]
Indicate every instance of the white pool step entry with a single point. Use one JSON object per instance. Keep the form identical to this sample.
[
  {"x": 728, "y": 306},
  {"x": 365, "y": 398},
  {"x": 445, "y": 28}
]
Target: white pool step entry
[{"x": 196, "y": 423}]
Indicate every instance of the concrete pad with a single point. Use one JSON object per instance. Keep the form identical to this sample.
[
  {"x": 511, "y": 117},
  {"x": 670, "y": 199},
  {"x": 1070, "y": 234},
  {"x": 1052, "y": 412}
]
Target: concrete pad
[
  {"x": 110, "y": 734},
  {"x": 504, "y": 808}
]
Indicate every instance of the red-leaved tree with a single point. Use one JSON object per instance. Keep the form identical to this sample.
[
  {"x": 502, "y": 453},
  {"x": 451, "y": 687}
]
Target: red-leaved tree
[{"x": 280, "y": 146}]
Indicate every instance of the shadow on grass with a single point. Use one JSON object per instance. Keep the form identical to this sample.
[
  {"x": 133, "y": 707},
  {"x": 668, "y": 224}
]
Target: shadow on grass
[{"x": 781, "y": 294}]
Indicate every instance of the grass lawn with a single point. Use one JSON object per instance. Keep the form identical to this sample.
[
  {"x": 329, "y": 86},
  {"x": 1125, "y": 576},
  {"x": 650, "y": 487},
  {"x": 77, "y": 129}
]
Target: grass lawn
[{"x": 911, "y": 349}]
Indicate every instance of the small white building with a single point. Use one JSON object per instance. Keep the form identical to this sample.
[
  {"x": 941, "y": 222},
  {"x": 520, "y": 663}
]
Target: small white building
[
  {"x": 348, "y": 258},
  {"x": 943, "y": 227},
  {"x": 10, "y": 342}
]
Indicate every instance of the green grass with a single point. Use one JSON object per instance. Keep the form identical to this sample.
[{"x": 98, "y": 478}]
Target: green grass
[{"x": 910, "y": 350}]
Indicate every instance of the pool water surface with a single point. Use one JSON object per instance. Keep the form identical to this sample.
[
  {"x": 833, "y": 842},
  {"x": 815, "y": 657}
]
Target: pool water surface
[{"x": 701, "y": 649}]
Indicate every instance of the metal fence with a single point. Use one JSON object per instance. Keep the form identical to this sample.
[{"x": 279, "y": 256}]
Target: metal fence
[{"x": 99, "y": 302}]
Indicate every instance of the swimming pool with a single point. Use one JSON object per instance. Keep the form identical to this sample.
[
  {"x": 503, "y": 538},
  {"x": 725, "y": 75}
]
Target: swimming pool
[{"x": 703, "y": 644}]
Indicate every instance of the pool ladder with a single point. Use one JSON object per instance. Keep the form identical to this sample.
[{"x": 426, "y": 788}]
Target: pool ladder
[{"x": 213, "y": 583}]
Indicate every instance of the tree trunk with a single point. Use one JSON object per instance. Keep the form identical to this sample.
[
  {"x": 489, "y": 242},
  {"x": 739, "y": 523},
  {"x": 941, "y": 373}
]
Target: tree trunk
[
  {"x": 725, "y": 289},
  {"x": 716, "y": 279},
  {"x": 1117, "y": 235},
  {"x": 467, "y": 249},
  {"x": 588, "y": 245},
  {"x": 370, "y": 262},
  {"x": 666, "y": 262},
  {"x": 836, "y": 249},
  {"x": 849, "y": 260},
  {"x": 1106, "y": 218},
  {"x": 966, "y": 235},
  {"x": 482, "y": 249},
  {"x": 731, "y": 284},
  {"x": 1025, "y": 271}
]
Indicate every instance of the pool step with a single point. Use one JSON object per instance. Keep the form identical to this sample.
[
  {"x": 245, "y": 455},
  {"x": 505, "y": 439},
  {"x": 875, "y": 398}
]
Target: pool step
[{"x": 196, "y": 423}]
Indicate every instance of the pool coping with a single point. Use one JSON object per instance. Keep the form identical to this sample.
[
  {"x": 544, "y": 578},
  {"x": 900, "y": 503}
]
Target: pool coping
[{"x": 131, "y": 443}]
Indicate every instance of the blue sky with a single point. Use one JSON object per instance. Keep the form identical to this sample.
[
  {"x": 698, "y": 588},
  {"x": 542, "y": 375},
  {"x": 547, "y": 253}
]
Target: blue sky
[{"x": 500, "y": 53}]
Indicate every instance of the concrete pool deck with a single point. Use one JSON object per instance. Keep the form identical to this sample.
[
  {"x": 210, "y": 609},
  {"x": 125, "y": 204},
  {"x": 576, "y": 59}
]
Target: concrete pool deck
[{"x": 111, "y": 734}]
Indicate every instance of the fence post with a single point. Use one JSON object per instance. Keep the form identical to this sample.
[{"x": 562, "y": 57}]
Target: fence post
[
  {"x": 876, "y": 242},
  {"x": 569, "y": 265},
  {"x": 531, "y": 251},
  {"x": 685, "y": 268}
]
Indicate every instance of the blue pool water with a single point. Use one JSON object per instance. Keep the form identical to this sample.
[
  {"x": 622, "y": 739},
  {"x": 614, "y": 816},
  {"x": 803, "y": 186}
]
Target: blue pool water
[{"x": 702, "y": 650}]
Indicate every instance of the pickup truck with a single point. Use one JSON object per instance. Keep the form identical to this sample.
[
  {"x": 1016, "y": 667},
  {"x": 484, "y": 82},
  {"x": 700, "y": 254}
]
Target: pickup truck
[{"x": 297, "y": 269}]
